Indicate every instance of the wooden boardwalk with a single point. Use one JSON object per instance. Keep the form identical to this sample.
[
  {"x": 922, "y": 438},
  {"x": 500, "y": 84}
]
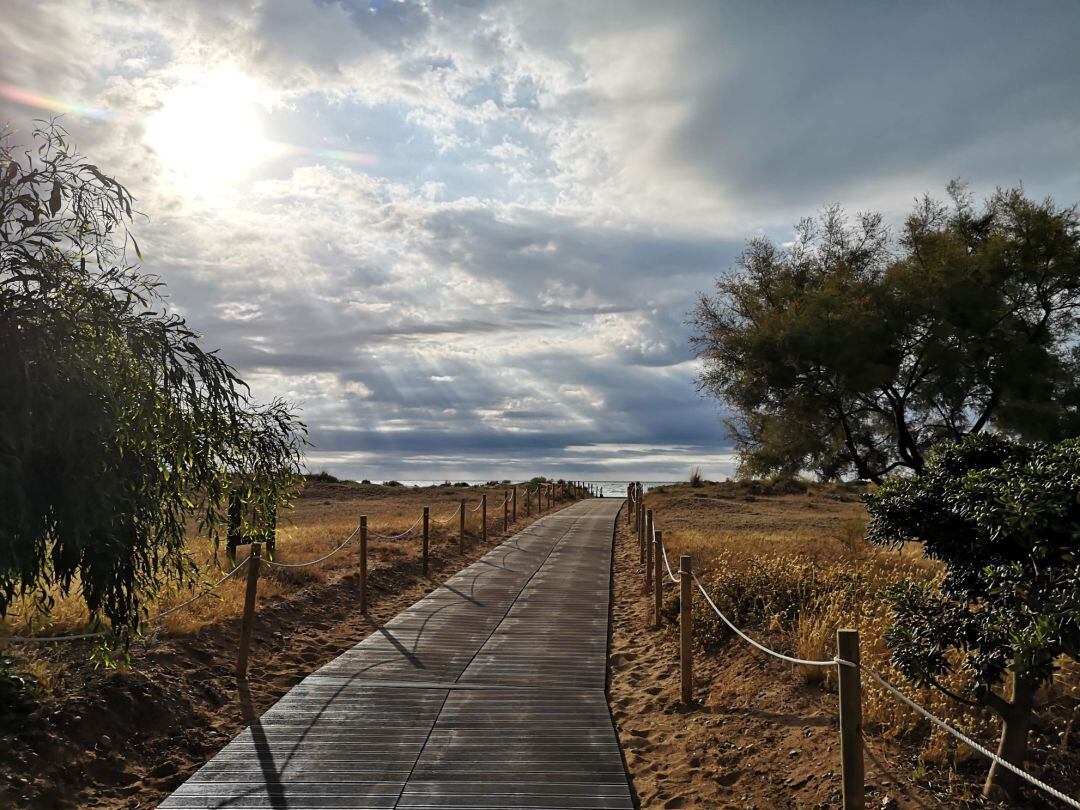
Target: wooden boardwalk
[{"x": 487, "y": 693}]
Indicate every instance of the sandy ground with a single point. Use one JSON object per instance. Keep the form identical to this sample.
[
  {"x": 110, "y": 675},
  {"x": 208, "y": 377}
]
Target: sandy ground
[
  {"x": 757, "y": 737},
  {"x": 125, "y": 739}
]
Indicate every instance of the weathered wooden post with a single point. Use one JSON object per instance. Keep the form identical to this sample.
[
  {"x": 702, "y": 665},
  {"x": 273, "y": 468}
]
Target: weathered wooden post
[
  {"x": 686, "y": 628},
  {"x": 271, "y": 534},
  {"x": 646, "y": 541},
  {"x": 363, "y": 564},
  {"x": 658, "y": 576},
  {"x": 514, "y": 505},
  {"x": 461, "y": 529},
  {"x": 427, "y": 535},
  {"x": 643, "y": 539},
  {"x": 234, "y": 533},
  {"x": 483, "y": 516},
  {"x": 851, "y": 749},
  {"x": 506, "y": 510},
  {"x": 248, "y": 620},
  {"x": 528, "y": 501},
  {"x": 629, "y": 502}
]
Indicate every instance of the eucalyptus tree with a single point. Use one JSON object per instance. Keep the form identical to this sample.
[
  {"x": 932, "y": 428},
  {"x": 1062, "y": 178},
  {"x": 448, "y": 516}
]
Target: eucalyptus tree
[{"x": 117, "y": 428}]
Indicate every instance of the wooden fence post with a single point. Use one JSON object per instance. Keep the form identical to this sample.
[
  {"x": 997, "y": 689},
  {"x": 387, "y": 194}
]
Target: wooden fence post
[
  {"x": 483, "y": 516},
  {"x": 642, "y": 529},
  {"x": 506, "y": 510},
  {"x": 249, "y": 611},
  {"x": 686, "y": 628},
  {"x": 363, "y": 564},
  {"x": 514, "y": 506},
  {"x": 647, "y": 545},
  {"x": 642, "y": 541},
  {"x": 427, "y": 535},
  {"x": 528, "y": 501},
  {"x": 658, "y": 576},
  {"x": 271, "y": 535},
  {"x": 461, "y": 529},
  {"x": 234, "y": 533},
  {"x": 851, "y": 749}
]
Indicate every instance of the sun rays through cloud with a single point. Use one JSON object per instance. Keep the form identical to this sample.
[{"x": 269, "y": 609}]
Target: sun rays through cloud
[{"x": 471, "y": 231}]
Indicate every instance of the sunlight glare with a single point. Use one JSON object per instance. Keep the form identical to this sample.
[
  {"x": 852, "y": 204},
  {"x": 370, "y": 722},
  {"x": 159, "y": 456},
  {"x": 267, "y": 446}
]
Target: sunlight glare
[{"x": 208, "y": 134}]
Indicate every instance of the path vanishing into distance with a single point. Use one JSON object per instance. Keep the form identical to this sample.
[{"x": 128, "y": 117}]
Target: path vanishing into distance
[{"x": 487, "y": 693}]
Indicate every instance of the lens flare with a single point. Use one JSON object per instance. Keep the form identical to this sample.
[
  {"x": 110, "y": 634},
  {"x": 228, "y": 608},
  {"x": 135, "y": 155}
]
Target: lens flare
[{"x": 28, "y": 98}]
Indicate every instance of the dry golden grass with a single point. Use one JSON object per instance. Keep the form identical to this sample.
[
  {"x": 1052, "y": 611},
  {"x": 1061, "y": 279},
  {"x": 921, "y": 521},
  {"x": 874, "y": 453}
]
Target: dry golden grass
[
  {"x": 323, "y": 516},
  {"x": 789, "y": 563}
]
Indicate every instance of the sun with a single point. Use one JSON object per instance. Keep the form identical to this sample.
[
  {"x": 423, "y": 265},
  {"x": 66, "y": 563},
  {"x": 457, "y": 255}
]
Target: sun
[{"x": 208, "y": 132}]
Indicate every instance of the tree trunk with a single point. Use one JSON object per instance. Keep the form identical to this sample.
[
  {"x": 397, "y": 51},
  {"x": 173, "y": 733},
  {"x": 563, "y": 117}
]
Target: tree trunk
[{"x": 1013, "y": 746}]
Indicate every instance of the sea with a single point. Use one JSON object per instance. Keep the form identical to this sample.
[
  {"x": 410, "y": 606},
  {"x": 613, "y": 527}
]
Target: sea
[{"x": 609, "y": 489}]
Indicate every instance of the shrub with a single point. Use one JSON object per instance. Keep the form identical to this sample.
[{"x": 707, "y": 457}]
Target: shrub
[{"x": 1002, "y": 516}]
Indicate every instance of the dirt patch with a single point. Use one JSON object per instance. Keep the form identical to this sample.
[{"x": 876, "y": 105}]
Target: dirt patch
[
  {"x": 756, "y": 738},
  {"x": 125, "y": 739}
]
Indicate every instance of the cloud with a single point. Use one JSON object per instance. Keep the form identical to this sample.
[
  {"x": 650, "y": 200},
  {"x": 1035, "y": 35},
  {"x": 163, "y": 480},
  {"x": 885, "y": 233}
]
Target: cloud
[{"x": 478, "y": 249}]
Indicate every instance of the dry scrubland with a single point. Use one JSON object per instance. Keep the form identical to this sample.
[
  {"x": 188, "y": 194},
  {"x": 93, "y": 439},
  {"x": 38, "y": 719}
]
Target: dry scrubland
[
  {"x": 788, "y": 562},
  {"x": 124, "y": 738},
  {"x": 324, "y": 515}
]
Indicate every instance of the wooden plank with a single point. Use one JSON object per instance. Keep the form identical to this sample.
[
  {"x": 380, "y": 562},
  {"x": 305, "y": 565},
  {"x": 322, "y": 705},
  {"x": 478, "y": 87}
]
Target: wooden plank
[{"x": 487, "y": 693}]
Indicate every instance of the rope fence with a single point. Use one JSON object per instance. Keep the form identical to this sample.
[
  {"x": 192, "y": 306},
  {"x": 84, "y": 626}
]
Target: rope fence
[
  {"x": 572, "y": 490},
  {"x": 849, "y": 667}
]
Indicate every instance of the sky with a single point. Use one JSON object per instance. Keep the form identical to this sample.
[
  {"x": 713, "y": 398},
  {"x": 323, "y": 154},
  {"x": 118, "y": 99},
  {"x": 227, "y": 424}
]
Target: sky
[{"x": 463, "y": 237}]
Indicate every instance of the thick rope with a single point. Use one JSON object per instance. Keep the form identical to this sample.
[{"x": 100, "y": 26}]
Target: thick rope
[
  {"x": 888, "y": 687},
  {"x": 99, "y": 633},
  {"x": 199, "y": 596},
  {"x": 667, "y": 565},
  {"x": 803, "y": 661},
  {"x": 399, "y": 535},
  {"x": 448, "y": 518},
  {"x": 326, "y": 556},
  {"x": 34, "y": 639}
]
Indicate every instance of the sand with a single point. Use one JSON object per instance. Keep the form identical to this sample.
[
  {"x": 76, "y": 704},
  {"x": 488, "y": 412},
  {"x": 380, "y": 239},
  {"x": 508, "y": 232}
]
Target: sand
[{"x": 756, "y": 737}]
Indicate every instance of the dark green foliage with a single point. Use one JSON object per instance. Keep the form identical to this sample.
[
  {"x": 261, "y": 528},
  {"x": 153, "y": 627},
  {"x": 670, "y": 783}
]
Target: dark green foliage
[
  {"x": 1005, "y": 519},
  {"x": 323, "y": 477},
  {"x": 851, "y": 352},
  {"x": 116, "y": 427}
]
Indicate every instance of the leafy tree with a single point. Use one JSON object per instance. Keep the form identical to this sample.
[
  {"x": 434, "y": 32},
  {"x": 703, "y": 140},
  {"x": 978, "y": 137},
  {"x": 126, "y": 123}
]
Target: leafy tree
[
  {"x": 116, "y": 427},
  {"x": 1003, "y": 517},
  {"x": 851, "y": 351}
]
